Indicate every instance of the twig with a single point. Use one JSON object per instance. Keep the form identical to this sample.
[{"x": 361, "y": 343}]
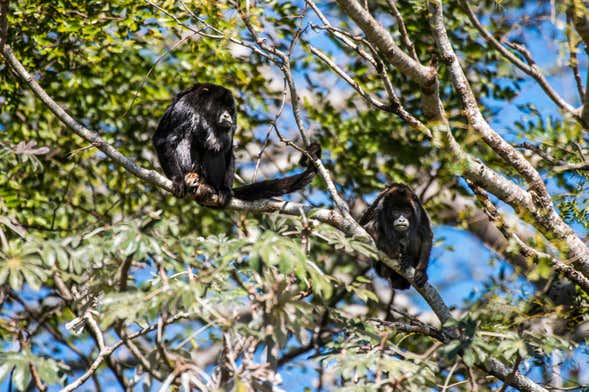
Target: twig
[
  {"x": 38, "y": 382},
  {"x": 571, "y": 166},
  {"x": 530, "y": 69},
  {"x": 348, "y": 79},
  {"x": 574, "y": 61},
  {"x": 508, "y": 380},
  {"x": 409, "y": 46},
  {"x": 449, "y": 377}
]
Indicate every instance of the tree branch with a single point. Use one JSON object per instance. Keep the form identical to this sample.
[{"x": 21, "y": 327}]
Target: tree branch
[
  {"x": 425, "y": 77},
  {"x": 537, "y": 203},
  {"x": 530, "y": 69},
  {"x": 342, "y": 222}
]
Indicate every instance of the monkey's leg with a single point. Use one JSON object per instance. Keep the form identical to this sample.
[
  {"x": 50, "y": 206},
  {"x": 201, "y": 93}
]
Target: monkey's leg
[{"x": 214, "y": 168}]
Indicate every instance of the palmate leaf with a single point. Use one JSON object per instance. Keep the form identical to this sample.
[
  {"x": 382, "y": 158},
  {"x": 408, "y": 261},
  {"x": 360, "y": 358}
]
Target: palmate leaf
[
  {"x": 21, "y": 263},
  {"x": 18, "y": 364}
]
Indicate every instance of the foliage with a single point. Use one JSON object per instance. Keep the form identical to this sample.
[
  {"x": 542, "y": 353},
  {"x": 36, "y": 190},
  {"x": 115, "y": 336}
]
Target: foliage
[{"x": 230, "y": 300}]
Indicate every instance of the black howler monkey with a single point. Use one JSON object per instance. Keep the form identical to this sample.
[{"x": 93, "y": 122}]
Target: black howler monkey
[
  {"x": 401, "y": 228},
  {"x": 194, "y": 143}
]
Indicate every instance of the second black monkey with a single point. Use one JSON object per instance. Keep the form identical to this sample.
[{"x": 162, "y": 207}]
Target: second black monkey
[
  {"x": 401, "y": 228},
  {"x": 194, "y": 143}
]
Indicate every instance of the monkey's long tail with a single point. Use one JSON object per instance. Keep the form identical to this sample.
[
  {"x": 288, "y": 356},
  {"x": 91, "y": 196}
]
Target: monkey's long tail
[
  {"x": 280, "y": 186},
  {"x": 273, "y": 188}
]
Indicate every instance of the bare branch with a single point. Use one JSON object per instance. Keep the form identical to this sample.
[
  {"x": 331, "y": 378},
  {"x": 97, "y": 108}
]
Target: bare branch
[
  {"x": 377, "y": 34},
  {"x": 425, "y": 77},
  {"x": 530, "y": 69},
  {"x": 91, "y": 370},
  {"x": 573, "y": 60},
  {"x": 409, "y": 46},
  {"x": 348, "y": 79},
  {"x": 538, "y": 201},
  {"x": 475, "y": 117},
  {"x": 571, "y": 167},
  {"x": 395, "y": 105},
  {"x": 343, "y": 36}
]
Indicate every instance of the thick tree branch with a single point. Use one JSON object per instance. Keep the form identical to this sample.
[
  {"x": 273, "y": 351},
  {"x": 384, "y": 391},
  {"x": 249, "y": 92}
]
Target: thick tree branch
[
  {"x": 527, "y": 250},
  {"x": 535, "y": 206},
  {"x": 474, "y": 115}
]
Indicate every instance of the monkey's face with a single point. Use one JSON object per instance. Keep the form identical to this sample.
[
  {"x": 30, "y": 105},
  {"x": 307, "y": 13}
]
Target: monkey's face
[
  {"x": 401, "y": 219},
  {"x": 219, "y": 106}
]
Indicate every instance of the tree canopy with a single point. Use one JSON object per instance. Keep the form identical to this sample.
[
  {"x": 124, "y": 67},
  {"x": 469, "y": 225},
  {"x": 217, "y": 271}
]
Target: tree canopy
[{"x": 109, "y": 281}]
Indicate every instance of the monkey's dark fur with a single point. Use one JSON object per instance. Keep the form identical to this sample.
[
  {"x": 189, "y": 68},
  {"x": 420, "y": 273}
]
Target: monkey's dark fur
[
  {"x": 194, "y": 143},
  {"x": 401, "y": 228}
]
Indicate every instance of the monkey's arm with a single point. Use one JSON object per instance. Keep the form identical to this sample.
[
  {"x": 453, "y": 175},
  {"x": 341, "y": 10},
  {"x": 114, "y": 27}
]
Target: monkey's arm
[
  {"x": 173, "y": 147},
  {"x": 167, "y": 155},
  {"x": 427, "y": 236}
]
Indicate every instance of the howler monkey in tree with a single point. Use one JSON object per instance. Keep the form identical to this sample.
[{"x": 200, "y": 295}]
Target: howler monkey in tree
[
  {"x": 194, "y": 143},
  {"x": 401, "y": 228}
]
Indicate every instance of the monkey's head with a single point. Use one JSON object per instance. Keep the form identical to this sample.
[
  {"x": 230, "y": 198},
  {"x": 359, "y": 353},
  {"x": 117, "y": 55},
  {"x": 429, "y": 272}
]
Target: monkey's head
[
  {"x": 400, "y": 207},
  {"x": 217, "y": 106}
]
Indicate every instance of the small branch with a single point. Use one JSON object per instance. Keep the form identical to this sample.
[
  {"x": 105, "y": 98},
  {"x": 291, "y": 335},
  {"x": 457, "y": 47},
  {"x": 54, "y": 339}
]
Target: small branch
[
  {"x": 348, "y": 79},
  {"x": 93, "y": 325},
  {"x": 425, "y": 77},
  {"x": 159, "y": 342},
  {"x": 574, "y": 61},
  {"x": 414, "y": 326},
  {"x": 409, "y": 46},
  {"x": 571, "y": 167},
  {"x": 377, "y": 34},
  {"x": 343, "y": 36},
  {"x": 92, "y": 370},
  {"x": 449, "y": 377},
  {"x": 525, "y": 249},
  {"x": 395, "y": 104},
  {"x": 38, "y": 382},
  {"x": 124, "y": 272},
  {"x": 281, "y": 60},
  {"x": 530, "y": 69}
]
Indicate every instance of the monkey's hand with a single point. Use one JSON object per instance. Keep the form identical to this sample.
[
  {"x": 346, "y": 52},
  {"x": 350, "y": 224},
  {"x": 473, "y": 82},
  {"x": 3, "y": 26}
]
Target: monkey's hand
[
  {"x": 315, "y": 151},
  {"x": 420, "y": 277},
  {"x": 192, "y": 180}
]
